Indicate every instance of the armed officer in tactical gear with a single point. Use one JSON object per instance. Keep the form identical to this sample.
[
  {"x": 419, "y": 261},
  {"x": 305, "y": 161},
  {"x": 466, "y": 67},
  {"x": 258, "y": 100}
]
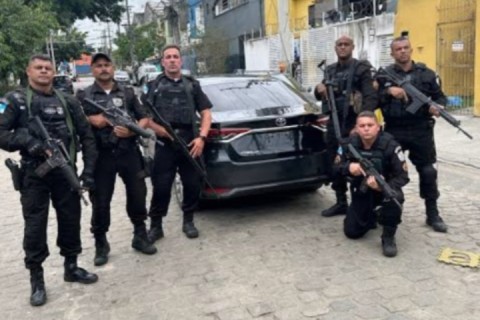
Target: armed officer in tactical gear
[
  {"x": 118, "y": 154},
  {"x": 414, "y": 132},
  {"x": 367, "y": 199},
  {"x": 177, "y": 98},
  {"x": 354, "y": 92},
  {"x": 62, "y": 117}
]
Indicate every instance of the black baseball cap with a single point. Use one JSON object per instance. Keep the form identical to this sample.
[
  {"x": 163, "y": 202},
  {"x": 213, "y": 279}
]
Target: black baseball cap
[{"x": 99, "y": 55}]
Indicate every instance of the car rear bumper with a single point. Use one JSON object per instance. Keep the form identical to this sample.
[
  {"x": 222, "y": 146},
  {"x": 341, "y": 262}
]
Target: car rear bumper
[
  {"x": 265, "y": 188},
  {"x": 234, "y": 179}
]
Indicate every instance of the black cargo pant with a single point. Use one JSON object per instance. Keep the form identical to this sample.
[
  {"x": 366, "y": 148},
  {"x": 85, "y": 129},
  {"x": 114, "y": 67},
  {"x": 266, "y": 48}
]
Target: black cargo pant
[
  {"x": 419, "y": 141},
  {"x": 361, "y": 215},
  {"x": 168, "y": 159},
  {"x": 129, "y": 166},
  {"x": 339, "y": 182},
  {"x": 35, "y": 198}
]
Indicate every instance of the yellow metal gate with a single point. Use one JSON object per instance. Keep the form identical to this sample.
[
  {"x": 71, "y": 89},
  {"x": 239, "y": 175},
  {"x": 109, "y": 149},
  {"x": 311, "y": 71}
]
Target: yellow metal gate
[{"x": 456, "y": 51}]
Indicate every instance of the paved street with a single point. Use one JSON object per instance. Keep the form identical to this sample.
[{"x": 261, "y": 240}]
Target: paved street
[{"x": 267, "y": 258}]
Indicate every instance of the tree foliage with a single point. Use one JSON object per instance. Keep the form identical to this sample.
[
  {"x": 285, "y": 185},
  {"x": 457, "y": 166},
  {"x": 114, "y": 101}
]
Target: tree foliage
[
  {"x": 67, "y": 11},
  {"x": 212, "y": 52},
  {"x": 69, "y": 45},
  {"x": 146, "y": 43},
  {"x": 23, "y": 30}
]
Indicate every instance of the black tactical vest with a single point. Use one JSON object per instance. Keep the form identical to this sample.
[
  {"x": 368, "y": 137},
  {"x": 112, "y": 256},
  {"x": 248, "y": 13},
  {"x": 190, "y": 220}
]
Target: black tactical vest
[
  {"x": 377, "y": 154},
  {"x": 396, "y": 112},
  {"x": 105, "y": 136},
  {"x": 170, "y": 99}
]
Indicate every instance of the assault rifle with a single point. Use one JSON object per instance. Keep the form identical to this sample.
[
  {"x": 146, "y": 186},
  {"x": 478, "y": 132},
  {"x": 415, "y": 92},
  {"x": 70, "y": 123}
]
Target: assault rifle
[
  {"x": 59, "y": 158},
  {"x": 119, "y": 117},
  {"x": 180, "y": 143},
  {"x": 370, "y": 170},
  {"x": 419, "y": 99},
  {"x": 332, "y": 105}
]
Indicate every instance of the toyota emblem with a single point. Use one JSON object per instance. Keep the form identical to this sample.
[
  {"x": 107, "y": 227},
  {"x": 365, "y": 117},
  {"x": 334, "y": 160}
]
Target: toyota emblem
[{"x": 280, "y": 122}]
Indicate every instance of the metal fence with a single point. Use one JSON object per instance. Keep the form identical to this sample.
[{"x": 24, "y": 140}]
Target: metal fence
[{"x": 456, "y": 52}]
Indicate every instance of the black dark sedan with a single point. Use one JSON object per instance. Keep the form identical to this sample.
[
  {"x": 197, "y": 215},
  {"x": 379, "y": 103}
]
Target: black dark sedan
[{"x": 261, "y": 139}]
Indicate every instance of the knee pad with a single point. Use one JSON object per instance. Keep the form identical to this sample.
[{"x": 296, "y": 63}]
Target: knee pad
[{"x": 428, "y": 172}]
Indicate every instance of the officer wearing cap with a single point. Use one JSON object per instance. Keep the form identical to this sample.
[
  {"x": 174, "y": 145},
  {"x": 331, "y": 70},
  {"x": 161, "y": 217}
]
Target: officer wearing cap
[
  {"x": 177, "y": 98},
  {"x": 62, "y": 117},
  {"x": 118, "y": 154}
]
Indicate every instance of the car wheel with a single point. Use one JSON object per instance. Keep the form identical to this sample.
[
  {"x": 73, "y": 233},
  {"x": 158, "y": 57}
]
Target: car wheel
[{"x": 178, "y": 190}]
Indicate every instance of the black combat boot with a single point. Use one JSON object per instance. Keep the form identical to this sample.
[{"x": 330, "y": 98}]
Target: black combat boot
[
  {"x": 140, "y": 240},
  {"x": 433, "y": 218},
  {"x": 73, "y": 273},
  {"x": 39, "y": 295},
  {"x": 156, "y": 230},
  {"x": 389, "y": 247},
  {"x": 190, "y": 230},
  {"x": 102, "y": 249},
  {"x": 338, "y": 208}
]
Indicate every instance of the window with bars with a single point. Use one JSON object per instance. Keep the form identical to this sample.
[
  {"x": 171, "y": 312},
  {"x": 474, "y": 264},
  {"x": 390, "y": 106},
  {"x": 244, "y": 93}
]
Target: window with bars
[{"x": 222, "y": 6}]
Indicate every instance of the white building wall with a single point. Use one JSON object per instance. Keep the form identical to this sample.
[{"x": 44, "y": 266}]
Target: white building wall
[{"x": 372, "y": 37}]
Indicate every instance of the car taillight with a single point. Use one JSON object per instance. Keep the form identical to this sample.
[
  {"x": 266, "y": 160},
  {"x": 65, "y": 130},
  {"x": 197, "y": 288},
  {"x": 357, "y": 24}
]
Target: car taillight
[
  {"x": 225, "y": 133},
  {"x": 216, "y": 191}
]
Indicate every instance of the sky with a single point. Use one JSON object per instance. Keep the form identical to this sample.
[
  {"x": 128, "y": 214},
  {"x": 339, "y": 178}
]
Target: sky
[{"x": 96, "y": 29}]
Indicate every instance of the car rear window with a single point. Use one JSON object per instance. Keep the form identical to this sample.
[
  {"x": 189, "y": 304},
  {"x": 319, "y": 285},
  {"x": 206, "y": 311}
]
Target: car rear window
[{"x": 244, "y": 98}]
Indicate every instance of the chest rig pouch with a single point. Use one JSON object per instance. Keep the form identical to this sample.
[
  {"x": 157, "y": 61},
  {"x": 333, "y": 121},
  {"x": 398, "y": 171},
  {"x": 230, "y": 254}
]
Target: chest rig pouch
[{"x": 170, "y": 99}]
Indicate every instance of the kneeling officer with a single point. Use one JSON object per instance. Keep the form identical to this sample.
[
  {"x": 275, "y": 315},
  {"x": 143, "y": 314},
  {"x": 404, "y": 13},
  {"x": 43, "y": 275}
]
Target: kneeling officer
[{"x": 368, "y": 198}]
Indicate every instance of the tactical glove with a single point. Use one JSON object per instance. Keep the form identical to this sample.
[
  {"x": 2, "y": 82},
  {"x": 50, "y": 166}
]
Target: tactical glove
[
  {"x": 35, "y": 147},
  {"x": 87, "y": 181}
]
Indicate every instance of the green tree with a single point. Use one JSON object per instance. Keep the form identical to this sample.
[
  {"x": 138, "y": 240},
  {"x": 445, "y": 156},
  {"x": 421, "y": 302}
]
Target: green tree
[
  {"x": 23, "y": 31},
  {"x": 69, "y": 45},
  {"x": 212, "y": 52},
  {"x": 67, "y": 11},
  {"x": 147, "y": 42}
]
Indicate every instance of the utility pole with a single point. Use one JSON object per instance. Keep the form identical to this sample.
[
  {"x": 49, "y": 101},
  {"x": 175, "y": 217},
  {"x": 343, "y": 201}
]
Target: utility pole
[
  {"x": 109, "y": 39},
  {"x": 52, "y": 52},
  {"x": 129, "y": 34},
  {"x": 131, "y": 37}
]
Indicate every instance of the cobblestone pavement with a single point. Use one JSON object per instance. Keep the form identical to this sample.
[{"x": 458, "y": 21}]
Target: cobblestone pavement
[{"x": 267, "y": 258}]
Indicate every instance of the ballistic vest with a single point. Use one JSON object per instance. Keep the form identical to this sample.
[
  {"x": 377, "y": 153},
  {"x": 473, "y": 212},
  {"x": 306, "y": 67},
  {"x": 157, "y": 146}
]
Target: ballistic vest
[{"x": 171, "y": 100}]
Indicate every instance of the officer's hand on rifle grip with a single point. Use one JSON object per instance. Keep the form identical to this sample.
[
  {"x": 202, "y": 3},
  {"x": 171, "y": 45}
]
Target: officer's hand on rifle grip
[
  {"x": 99, "y": 121},
  {"x": 87, "y": 181},
  {"x": 372, "y": 183},
  {"x": 122, "y": 132},
  {"x": 434, "y": 111},
  {"x": 321, "y": 90},
  {"x": 355, "y": 169},
  {"x": 398, "y": 93}
]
